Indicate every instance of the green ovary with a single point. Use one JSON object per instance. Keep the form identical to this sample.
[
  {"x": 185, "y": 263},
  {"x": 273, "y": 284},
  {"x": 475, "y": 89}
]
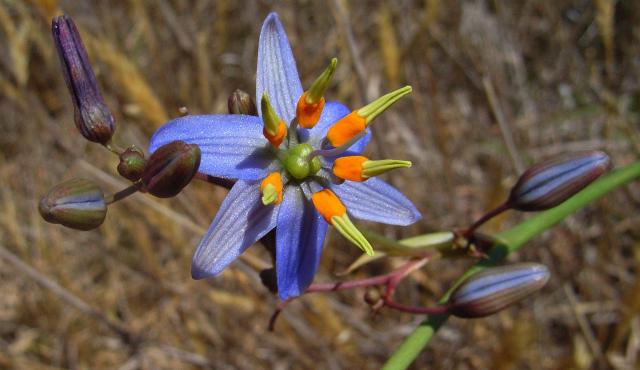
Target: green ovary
[{"x": 297, "y": 162}]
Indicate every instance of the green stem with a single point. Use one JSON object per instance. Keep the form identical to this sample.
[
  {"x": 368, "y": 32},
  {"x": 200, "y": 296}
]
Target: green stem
[{"x": 509, "y": 241}]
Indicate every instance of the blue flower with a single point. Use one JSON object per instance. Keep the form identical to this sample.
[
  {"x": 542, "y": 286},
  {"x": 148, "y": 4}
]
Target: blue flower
[{"x": 287, "y": 173}]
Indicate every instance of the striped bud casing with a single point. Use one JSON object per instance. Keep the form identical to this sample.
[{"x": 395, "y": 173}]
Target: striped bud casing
[
  {"x": 549, "y": 183},
  {"x": 91, "y": 115},
  {"x": 77, "y": 203},
  {"x": 495, "y": 288},
  {"x": 132, "y": 163},
  {"x": 170, "y": 168},
  {"x": 240, "y": 102}
]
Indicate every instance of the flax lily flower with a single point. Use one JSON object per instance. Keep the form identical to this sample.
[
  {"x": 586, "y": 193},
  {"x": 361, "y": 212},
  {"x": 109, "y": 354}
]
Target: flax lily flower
[{"x": 283, "y": 161}]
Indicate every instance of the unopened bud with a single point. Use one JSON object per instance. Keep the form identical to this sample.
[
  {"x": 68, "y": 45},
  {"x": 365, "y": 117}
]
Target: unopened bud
[
  {"x": 240, "y": 102},
  {"x": 91, "y": 115},
  {"x": 132, "y": 163},
  {"x": 170, "y": 168},
  {"x": 549, "y": 183},
  {"x": 77, "y": 203},
  {"x": 495, "y": 288}
]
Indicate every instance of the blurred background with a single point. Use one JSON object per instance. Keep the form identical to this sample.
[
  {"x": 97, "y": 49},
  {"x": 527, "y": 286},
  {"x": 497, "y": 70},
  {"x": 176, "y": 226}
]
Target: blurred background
[{"x": 497, "y": 85}]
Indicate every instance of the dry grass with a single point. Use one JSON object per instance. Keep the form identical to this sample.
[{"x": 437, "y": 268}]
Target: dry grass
[{"x": 497, "y": 85}]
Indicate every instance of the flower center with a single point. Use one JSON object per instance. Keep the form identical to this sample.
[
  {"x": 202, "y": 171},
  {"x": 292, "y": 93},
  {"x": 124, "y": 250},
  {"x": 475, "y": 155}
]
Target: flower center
[{"x": 298, "y": 164}]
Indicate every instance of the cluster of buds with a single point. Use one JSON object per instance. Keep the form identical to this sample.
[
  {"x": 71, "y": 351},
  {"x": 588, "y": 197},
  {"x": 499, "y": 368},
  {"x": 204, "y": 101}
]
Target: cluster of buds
[{"x": 79, "y": 203}]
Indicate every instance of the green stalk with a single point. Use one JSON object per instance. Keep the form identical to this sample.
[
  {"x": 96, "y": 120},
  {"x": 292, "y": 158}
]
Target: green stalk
[{"x": 509, "y": 241}]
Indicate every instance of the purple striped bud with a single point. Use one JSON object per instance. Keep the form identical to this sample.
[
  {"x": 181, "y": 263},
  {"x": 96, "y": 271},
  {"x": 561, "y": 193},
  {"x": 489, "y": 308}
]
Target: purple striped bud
[
  {"x": 76, "y": 203},
  {"x": 495, "y": 288},
  {"x": 132, "y": 163},
  {"x": 91, "y": 115},
  {"x": 240, "y": 102},
  {"x": 549, "y": 183},
  {"x": 170, "y": 168}
]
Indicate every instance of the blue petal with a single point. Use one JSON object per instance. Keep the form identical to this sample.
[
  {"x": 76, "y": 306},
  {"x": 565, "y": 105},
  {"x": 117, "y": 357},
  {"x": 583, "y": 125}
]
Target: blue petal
[
  {"x": 331, "y": 113},
  {"x": 277, "y": 73},
  {"x": 375, "y": 200},
  {"x": 241, "y": 220},
  {"x": 299, "y": 238},
  {"x": 232, "y": 145}
]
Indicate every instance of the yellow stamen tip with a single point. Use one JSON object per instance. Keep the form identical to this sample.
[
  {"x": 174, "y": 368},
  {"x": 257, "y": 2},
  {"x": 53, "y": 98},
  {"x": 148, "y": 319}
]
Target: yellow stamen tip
[
  {"x": 376, "y": 107},
  {"x": 375, "y": 168},
  {"x": 321, "y": 84},
  {"x": 344, "y": 225},
  {"x": 311, "y": 103},
  {"x": 270, "y": 118}
]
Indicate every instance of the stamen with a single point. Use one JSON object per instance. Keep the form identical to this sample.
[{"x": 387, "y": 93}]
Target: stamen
[
  {"x": 271, "y": 188},
  {"x": 339, "y": 150},
  {"x": 375, "y": 168},
  {"x": 335, "y": 213},
  {"x": 311, "y": 103},
  {"x": 274, "y": 128},
  {"x": 349, "y": 168},
  {"x": 358, "y": 120}
]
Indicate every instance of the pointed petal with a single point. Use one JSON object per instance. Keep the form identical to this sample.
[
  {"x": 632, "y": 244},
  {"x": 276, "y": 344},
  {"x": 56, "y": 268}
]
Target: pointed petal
[
  {"x": 331, "y": 113},
  {"x": 277, "y": 73},
  {"x": 241, "y": 220},
  {"x": 299, "y": 238},
  {"x": 375, "y": 200},
  {"x": 232, "y": 145}
]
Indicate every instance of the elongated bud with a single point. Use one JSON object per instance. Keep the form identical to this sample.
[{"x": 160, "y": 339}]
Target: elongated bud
[
  {"x": 549, "y": 183},
  {"x": 311, "y": 102},
  {"x": 357, "y": 121},
  {"x": 132, "y": 163},
  {"x": 359, "y": 168},
  {"x": 91, "y": 114},
  {"x": 77, "y": 203},
  {"x": 335, "y": 213},
  {"x": 170, "y": 168},
  {"x": 274, "y": 128},
  {"x": 495, "y": 288},
  {"x": 240, "y": 102}
]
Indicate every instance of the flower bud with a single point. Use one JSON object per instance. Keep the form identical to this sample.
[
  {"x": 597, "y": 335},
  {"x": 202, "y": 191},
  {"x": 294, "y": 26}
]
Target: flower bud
[
  {"x": 495, "y": 288},
  {"x": 240, "y": 102},
  {"x": 170, "y": 168},
  {"x": 77, "y": 203},
  {"x": 549, "y": 183},
  {"x": 132, "y": 163},
  {"x": 91, "y": 115}
]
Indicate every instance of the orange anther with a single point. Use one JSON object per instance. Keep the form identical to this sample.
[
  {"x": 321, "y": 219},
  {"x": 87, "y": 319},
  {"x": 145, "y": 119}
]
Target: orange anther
[
  {"x": 349, "y": 168},
  {"x": 345, "y": 129},
  {"x": 275, "y": 180},
  {"x": 276, "y": 139},
  {"x": 328, "y": 204},
  {"x": 308, "y": 114}
]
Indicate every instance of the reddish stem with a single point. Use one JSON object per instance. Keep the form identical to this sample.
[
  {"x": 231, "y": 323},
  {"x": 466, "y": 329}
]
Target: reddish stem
[
  {"x": 486, "y": 217},
  {"x": 390, "y": 281}
]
